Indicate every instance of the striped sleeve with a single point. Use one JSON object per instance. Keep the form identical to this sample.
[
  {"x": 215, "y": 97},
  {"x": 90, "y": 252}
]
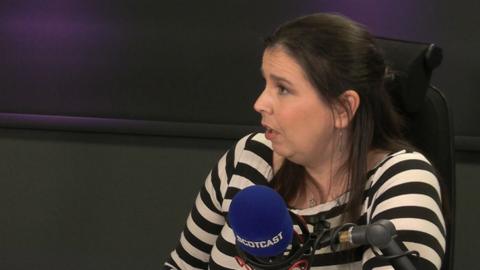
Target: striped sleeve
[
  {"x": 206, "y": 218},
  {"x": 406, "y": 191}
]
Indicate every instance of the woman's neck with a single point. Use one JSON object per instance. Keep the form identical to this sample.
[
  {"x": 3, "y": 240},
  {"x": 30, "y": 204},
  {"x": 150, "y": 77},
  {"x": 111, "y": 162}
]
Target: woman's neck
[
  {"x": 328, "y": 181},
  {"x": 328, "y": 174},
  {"x": 326, "y": 186}
]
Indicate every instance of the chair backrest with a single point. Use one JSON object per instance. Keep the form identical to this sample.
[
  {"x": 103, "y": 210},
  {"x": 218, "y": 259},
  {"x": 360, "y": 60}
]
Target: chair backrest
[{"x": 428, "y": 119}]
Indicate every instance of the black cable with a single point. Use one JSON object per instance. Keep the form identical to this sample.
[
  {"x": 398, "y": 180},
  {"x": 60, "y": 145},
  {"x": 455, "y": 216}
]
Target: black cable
[{"x": 413, "y": 253}]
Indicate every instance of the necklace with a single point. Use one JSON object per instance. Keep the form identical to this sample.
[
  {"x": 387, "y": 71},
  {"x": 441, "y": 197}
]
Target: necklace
[{"x": 312, "y": 202}]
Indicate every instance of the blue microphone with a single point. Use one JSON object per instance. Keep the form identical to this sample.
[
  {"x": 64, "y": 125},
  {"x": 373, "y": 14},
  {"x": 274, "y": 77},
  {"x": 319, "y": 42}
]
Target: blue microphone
[
  {"x": 263, "y": 229},
  {"x": 260, "y": 221}
]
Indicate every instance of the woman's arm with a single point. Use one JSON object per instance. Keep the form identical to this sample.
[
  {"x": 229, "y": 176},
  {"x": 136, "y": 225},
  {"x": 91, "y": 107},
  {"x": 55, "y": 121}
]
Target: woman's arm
[
  {"x": 206, "y": 218},
  {"x": 406, "y": 191}
]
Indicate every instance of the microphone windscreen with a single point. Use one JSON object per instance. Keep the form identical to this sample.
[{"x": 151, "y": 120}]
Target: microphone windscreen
[{"x": 260, "y": 221}]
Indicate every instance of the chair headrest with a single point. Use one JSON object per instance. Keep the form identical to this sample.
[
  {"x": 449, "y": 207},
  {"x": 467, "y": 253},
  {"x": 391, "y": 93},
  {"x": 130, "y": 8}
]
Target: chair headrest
[{"x": 412, "y": 64}]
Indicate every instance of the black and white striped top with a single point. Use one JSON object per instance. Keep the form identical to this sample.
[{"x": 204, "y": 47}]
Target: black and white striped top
[{"x": 403, "y": 189}]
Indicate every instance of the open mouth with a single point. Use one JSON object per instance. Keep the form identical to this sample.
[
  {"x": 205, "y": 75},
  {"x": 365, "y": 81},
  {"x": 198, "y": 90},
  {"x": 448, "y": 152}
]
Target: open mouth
[{"x": 270, "y": 133}]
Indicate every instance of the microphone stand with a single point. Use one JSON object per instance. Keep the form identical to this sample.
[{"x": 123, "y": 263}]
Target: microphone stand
[{"x": 379, "y": 234}]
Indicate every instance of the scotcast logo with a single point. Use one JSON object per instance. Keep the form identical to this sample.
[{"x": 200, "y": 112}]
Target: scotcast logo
[{"x": 261, "y": 244}]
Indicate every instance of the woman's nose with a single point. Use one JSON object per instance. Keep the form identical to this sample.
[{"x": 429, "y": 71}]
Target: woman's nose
[{"x": 261, "y": 104}]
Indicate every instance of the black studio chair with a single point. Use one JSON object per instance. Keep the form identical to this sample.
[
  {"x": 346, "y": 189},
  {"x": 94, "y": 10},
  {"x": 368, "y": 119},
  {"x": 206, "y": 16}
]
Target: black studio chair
[{"x": 428, "y": 120}]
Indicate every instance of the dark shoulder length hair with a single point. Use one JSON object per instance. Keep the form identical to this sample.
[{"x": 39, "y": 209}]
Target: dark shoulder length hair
[{"x": 336, "y": 55}]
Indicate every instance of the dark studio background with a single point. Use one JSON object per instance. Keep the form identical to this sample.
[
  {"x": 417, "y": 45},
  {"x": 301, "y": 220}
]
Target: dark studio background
[{"x": 113, "y": 112}]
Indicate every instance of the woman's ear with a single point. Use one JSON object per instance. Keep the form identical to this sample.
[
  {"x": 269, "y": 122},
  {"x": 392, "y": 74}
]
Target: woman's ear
[{"x": 346, "y": 108}]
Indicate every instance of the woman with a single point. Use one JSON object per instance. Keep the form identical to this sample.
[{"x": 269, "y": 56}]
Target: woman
[{"x": 332, "y": 146}]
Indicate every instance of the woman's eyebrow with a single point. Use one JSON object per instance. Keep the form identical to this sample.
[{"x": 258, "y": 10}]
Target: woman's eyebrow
[
  {"x": 280, "y": 79},
  {"x": 276, "y": 77}
]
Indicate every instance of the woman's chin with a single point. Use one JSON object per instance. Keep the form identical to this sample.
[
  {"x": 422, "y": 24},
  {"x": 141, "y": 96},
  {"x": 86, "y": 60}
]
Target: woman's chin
[{"x": 282, "y": 152}]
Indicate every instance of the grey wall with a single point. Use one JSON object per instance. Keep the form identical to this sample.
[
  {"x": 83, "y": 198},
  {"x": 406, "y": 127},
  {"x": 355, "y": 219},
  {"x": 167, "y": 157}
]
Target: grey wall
[
  {"x": 467, "y": 218},
  {"x": 96, "y": 201}
]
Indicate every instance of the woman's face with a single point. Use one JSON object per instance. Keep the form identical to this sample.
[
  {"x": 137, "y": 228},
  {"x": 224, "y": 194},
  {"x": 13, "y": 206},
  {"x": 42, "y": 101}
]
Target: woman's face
[{"x": 298, "y": 122}]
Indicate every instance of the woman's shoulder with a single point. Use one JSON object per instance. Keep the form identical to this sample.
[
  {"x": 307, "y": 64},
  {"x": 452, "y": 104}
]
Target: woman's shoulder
[
  {"x": 257, "y": 137},
  {"x": 401, "y": 167},
  {"x": 253, "y": 149},
  {"x": 255, "y": 143},
  {"x": 408, "y": 158}
]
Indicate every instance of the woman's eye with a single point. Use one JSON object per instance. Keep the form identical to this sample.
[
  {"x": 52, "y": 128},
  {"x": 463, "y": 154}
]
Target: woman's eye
[{"x": 282, "y": 90}]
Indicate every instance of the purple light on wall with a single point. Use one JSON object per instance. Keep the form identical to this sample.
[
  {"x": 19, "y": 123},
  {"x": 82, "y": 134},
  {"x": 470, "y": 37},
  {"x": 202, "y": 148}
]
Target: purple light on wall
[
  {"x": 48, "y": 30},
  {"x": 407, "y": 19},
  {"x": 55, "y": 32},
  {"x": 49, "y": 47}
]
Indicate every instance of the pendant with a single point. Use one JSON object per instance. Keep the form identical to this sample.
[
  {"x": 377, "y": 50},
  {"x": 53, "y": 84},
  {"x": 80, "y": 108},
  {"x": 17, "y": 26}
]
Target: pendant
[{"x": 312, "y": 202}]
